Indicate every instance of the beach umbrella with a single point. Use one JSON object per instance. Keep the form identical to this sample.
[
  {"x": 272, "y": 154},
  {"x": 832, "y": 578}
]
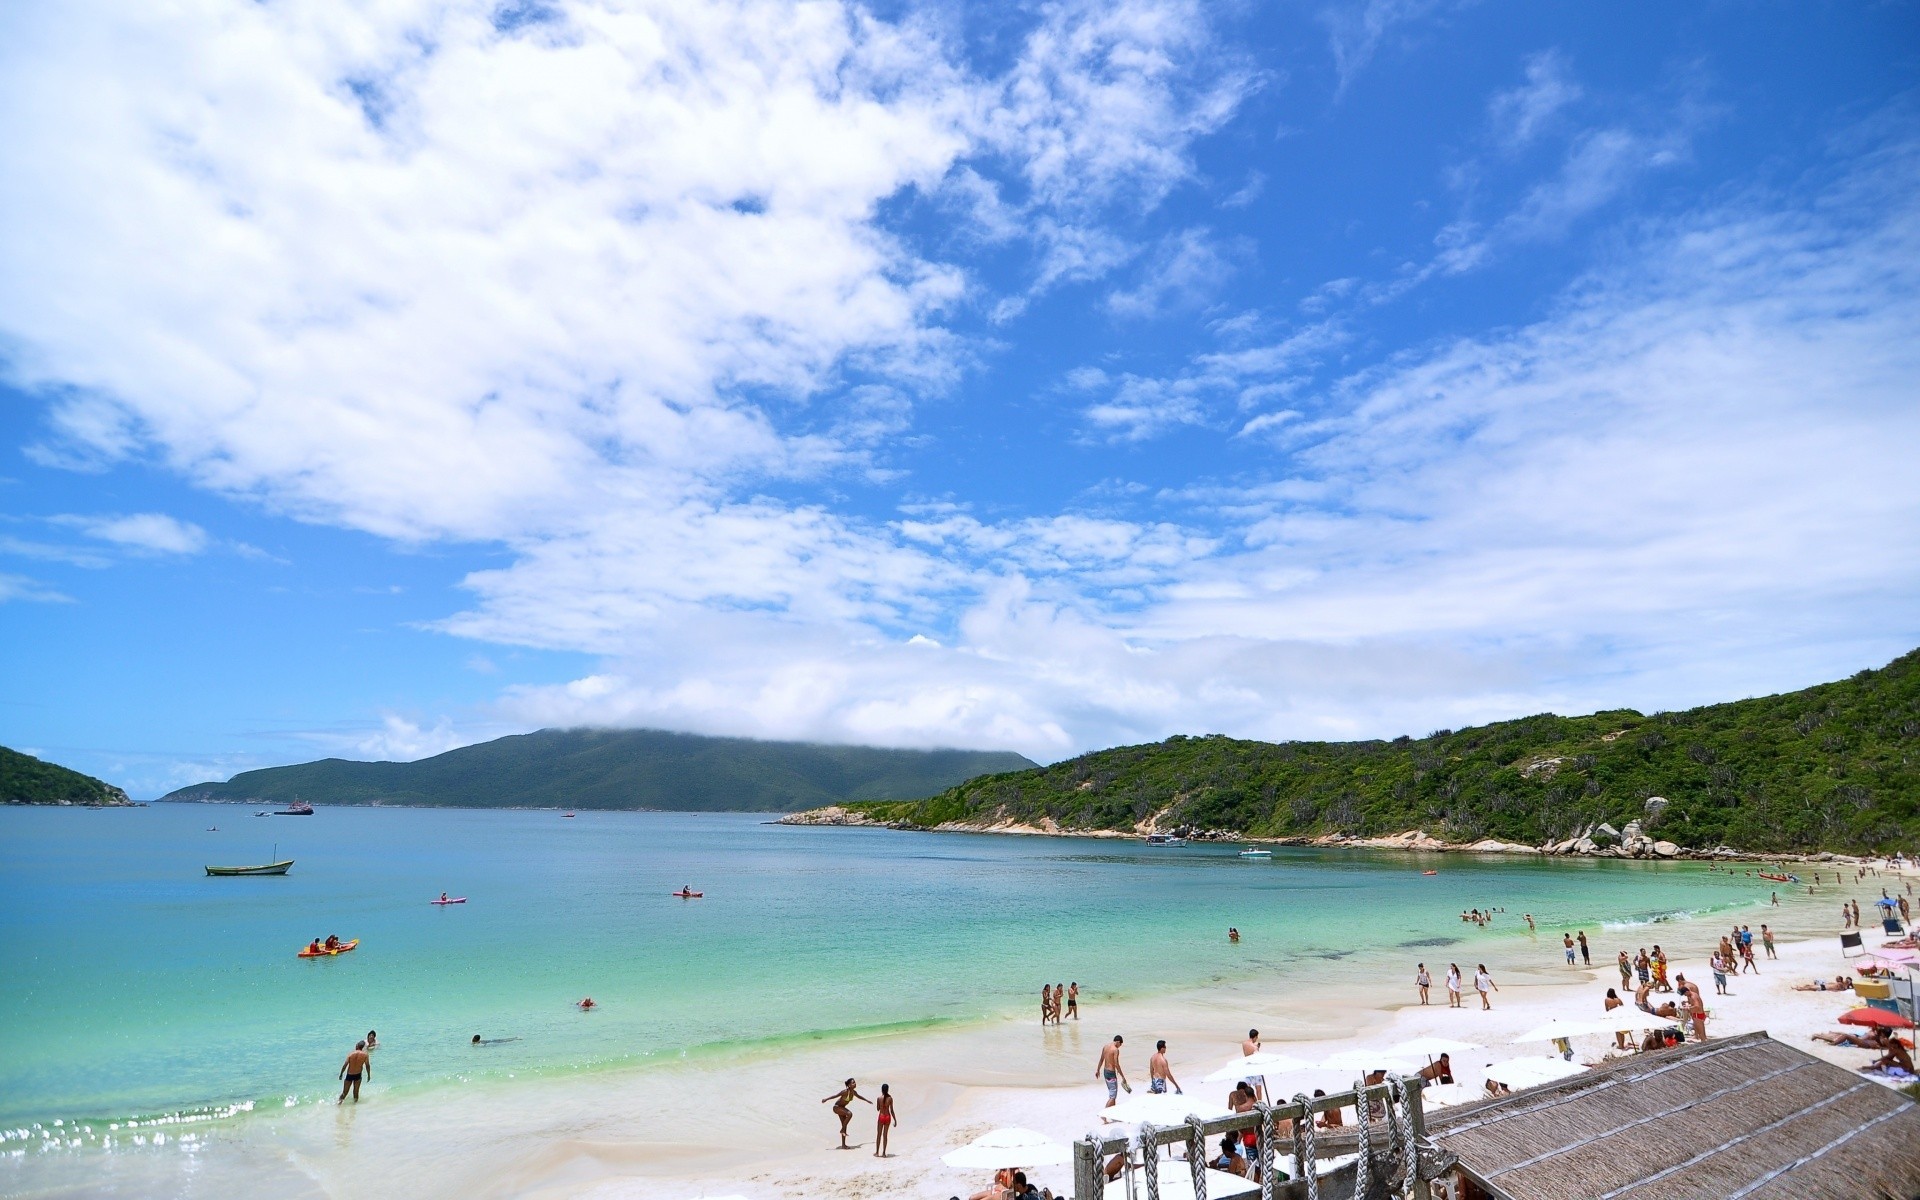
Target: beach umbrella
[
  {"x": 1010, "y": 1148},
  {"x": 1446, "y": 1095},
  {"x": 1165, "y": 1108},
  {"x": 1263, "y": 1062},
  {"x": 1176, "y": 1183},
  {"x": 1432, "y": 1047},
  {"x": 1527, "y": 1072},
  {"x": 1876, "y": 1016},
  {"x": 1368, "y": 1060},
  {"x": 1562, "y": 1027},
  {"x": 1898, "y": 958}
]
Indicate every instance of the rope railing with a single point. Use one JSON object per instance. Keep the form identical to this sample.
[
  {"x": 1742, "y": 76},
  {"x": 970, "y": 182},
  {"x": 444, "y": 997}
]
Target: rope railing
[{"x": 1396, "y": 1168}]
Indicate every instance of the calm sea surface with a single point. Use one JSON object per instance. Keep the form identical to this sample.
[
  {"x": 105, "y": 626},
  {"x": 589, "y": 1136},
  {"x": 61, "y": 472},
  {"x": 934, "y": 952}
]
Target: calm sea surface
[{"x": 136, "y": 986}]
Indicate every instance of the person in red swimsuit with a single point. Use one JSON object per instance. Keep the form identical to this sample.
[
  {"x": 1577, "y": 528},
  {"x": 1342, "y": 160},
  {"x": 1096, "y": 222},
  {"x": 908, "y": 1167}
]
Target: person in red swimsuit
[{"x": 884, "y": 1106}]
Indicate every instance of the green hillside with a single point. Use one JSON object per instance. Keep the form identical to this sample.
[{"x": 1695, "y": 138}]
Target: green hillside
[
  {"x": 25, "y": 779},
  {"x": 607, "y": 768},
  {"x": 1834, "y": 767}
]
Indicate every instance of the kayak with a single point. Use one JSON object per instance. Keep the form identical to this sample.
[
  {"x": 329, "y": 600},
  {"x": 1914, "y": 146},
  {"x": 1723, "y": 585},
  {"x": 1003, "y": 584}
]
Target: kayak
[
  {"x": 325, "y": 953},
  {"x": 455, "y": 900},
  {"x": 689, "y": 895}
]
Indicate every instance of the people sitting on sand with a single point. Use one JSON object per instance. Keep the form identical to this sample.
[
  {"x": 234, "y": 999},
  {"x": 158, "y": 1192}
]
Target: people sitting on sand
[
  {"x": 1330, "y": 1119},
  {"x": 1230, "y": 1159},
  {"x": 1495, "y": 1088},
  {"x": 997, "y": 1190},
  {"x": 1840, "y": 984},
  {"x": 1893, "y": 1054},
  {"x": 1870, "y": 1040},
  {"x": 1440, "y": 1070}
]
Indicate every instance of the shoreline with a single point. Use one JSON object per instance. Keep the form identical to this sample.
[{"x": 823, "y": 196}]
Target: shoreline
[{"x": 1412, "y": 841}]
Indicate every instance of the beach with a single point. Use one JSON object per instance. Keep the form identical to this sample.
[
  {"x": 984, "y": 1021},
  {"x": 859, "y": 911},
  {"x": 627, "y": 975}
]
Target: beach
[{"x": 744, "y": 1118}]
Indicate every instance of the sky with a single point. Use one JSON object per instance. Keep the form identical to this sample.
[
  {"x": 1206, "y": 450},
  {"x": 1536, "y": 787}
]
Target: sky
[{"x": 381, "y": 377}]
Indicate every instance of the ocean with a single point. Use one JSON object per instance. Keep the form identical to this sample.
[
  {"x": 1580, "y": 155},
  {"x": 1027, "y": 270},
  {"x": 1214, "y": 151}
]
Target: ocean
[{"x": 144, "y": 1000}]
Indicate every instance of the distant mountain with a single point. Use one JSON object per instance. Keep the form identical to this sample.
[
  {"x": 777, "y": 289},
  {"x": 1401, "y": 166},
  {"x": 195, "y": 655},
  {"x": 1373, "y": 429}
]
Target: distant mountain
[
  {"x": 614, "y": 769},
  {"x": 25, "y": 779},
  {"x": 1833, "y": 767}
]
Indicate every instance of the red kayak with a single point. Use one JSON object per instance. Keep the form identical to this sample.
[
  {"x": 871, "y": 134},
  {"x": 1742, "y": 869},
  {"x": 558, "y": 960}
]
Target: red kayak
[
  {"x": 456, "y": 900},
  {"x": 689, "y": 895}
]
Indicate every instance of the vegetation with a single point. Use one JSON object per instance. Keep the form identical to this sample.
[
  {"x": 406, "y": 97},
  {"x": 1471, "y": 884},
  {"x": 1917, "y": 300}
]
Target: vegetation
[
  {"x": 605, "y": 768},
  {"x": 25, "y": 779},
  {"x": 1834, "y": 767}
]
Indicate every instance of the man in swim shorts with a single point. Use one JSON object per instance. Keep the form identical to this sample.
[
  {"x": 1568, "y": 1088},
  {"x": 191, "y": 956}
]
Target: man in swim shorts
[
  {"x": 359, "y": 1064},
  {"x": 1110, "y": 1070},
  {"x": 1159, "y": 1073}
]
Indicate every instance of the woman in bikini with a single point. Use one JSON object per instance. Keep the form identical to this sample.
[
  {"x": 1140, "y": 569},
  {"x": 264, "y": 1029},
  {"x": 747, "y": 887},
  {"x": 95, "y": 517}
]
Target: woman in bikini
[
  {"x": 841, "y": 1100},
  {"x": 884, "y": 1107}
]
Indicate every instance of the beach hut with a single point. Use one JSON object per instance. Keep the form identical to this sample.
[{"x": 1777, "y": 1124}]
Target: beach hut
[{"x": 1744, "y": 1117}]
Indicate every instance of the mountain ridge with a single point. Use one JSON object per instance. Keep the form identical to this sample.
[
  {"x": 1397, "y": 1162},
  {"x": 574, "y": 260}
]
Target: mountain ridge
[
  {"x": 615, "y": 769},
  {"x": 1835, "y": 766}
]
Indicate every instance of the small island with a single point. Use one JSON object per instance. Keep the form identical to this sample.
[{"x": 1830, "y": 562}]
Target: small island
[{"x": 25, "y": 779}]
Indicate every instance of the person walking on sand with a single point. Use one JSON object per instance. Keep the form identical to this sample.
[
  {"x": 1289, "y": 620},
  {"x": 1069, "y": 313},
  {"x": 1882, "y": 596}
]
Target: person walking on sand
[
  {"x": 1626, "y": 971},
  {"x": 842, "y": 1107},
  {"x": 1453, "y": 985},
  {"x": 1423, "y": 981},
  {"x": 1073, "y": 1001},
  {"x": 1159, "y": 1073},
  {"x": 1111, "y": 1072},
  {"x": 1586, "y": 959},
  {"x": 1566, "y": 940},
  {"x": 1766, "y": 941},
  {"x": 1484, "y": 984},
  {"x": 883, "y": 1109},
  {"x": 359, "y": 1065},
  {"x": 1250, "y": 1046}
]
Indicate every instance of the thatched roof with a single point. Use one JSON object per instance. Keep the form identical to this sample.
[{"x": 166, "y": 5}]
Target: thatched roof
[{"x": 1744, "y": 1117}]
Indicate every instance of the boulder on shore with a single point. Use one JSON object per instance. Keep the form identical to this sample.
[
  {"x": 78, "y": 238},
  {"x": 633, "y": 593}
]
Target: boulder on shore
[{"x": 1666, "y": 849}]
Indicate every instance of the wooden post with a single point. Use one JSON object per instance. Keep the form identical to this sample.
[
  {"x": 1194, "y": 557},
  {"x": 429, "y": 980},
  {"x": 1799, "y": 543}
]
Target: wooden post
[{"x": 1089, "y": 1178}]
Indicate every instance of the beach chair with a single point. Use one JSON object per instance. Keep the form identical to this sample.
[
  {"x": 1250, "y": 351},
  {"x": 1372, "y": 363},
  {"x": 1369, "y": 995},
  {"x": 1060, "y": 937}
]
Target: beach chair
[
  {"x": 1892, "y": 926},
  {"x": 1851, "y": 942}
]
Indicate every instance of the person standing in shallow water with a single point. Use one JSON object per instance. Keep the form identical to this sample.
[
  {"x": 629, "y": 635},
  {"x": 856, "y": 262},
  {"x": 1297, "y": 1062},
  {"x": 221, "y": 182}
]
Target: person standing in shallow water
[
  {"x": 883, "y": 1108},
  {"x": 358, "y": 1065},
  {"x": 1423, "y": 981},
  {"x": 1586, "y": 958},
  {"x": 842, "y": 1108},
  {"x": 1073, "y": 1001}
]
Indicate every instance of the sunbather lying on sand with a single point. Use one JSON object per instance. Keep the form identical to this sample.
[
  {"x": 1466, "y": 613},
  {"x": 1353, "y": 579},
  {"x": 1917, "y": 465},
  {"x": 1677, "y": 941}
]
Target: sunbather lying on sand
[{"x": 1840, "y": 984}]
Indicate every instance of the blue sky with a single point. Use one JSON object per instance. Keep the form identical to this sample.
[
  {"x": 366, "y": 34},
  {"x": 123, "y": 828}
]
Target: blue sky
[{"x": 383, "y": 377}]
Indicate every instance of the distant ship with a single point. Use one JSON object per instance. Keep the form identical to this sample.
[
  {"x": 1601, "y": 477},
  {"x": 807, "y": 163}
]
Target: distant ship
[
  {"x": 1165, "y": 839},
  {"x": 296, "y": 809}
]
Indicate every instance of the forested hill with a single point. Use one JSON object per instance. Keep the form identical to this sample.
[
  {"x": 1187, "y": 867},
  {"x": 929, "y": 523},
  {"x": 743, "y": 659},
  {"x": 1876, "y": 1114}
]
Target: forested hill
[
  {"x": 608, "y": 768},
  {"x": 1834, "y": 767},
  {"x": 25, "y": 779}
]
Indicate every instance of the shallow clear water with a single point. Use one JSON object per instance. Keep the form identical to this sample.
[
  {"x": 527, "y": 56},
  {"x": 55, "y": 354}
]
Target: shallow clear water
[{"x": 135, "y": 985}]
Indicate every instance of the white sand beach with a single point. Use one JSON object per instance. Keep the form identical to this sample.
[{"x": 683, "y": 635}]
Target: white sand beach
[{"x": 952, "y": 1089}]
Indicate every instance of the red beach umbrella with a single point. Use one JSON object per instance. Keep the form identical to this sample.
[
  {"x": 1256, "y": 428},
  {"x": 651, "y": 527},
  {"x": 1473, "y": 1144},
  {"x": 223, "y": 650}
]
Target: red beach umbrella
[{"x": 1876, "y": 1016}]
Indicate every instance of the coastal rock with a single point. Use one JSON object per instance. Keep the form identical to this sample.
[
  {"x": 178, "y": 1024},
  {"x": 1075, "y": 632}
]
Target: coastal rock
[
  {"x": 1665, "y": 849},
  {"x": 1494, "y": 846},
  {"x": 1606, "y": 832},
  {"x": 832, "y": 814},
  {"x": 1655, "y": 806},
  {"x": 1630, "y": 832},
  {"x": 1584, "y": 846}
]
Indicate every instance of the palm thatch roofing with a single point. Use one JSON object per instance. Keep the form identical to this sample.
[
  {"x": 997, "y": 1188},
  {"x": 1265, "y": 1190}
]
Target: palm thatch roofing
[{"x": 1742, "y": 1118}]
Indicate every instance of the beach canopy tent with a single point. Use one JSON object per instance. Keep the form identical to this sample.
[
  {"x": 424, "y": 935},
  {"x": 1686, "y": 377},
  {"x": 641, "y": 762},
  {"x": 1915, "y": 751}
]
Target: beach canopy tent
[
  {"x": 1166, "y": 1108},
  {"x": 1265, "y": 1062},
  {"x": 1432, "y": 1047},
  {"x": 1010, "y": 1148},
  {"x": 1884, "y": 902},
  {"x": 1743, "y": 1117},
  {"x": 1529, "y": 1072},
  {"x": 1561, "y": 1027},
  {"x": 1875, "y": 1016}
]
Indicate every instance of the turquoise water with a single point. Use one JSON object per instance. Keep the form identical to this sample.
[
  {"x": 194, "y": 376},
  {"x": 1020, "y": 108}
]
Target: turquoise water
[{"x": 135, "y": 985}]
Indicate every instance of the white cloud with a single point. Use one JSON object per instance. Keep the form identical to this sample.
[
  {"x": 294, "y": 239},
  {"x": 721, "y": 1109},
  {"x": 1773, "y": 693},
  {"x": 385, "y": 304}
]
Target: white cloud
[
  {"x": 1185, "y": 271},
  {"x": 1355, "y": 30},
  {"x": 146, "y": 533},
  {"x": 402, "y": 740},
  {"x": 20, "y": 587},
  {"x": 1522, "y": 114}
]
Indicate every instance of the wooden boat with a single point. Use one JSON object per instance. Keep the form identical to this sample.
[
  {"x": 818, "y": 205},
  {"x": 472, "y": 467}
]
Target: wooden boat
[
  {"x": 689, "y": 895},
  {"x": 275, "y": 868}
]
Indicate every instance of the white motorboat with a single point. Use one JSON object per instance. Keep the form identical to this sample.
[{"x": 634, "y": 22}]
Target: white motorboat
[{"x": 1254, "y": 852}]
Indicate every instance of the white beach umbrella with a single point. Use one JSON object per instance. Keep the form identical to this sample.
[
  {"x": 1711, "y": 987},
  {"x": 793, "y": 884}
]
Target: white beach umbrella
[
  {"x": 1166, "y": 1108},
  {"x": 1176, "y": 1183},
  {"x": 1562, "y": 1027},
  {"x": 1527, "y": 1072},
  {"x": 1432, "y": 1047},
  {"x": 1263, "y": 1062},
  {"x": 1368, "y": 1060},
  {"x": 1010, "y": 1148},
  {"x": 1446, "y": 1095}
]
